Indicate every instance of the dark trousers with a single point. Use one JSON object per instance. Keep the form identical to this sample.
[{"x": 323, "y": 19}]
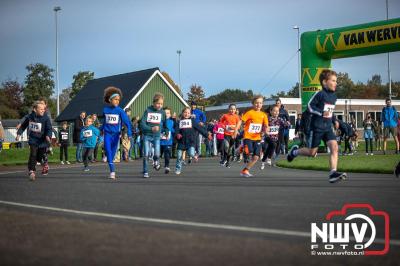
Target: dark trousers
[
  {"x": 270, "y": 147},
  {"x": 86, "y": 153},
  {"x": 36, "y": 155},
  {"x": 368, "y": 141},
  {"x": 347, "y": 144},
  {"x": 64, "y": 151},
  {"x": 165, "y": 150},
  {"x": 96, "y": 151},
  {"x": 229, "y": 144}
]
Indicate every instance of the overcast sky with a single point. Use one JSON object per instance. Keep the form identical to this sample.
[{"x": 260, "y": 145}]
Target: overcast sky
[{"x": 224, "y": 44}]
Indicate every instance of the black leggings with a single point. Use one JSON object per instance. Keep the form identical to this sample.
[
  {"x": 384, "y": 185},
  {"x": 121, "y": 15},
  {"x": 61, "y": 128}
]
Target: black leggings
[
  {"x": 165, "y": 150},
  {"x": 366, "y": 145},
  {"x": 229, "y": 144},
  {"x": 64, "y": 151},
  {"x": 36, "y": 155},
  {"x": 269, "y": 148},
  {"x": 86, "y": 153}
]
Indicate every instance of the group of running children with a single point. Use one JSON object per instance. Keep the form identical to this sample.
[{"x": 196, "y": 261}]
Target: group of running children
[{"x": 260, "y": 132}]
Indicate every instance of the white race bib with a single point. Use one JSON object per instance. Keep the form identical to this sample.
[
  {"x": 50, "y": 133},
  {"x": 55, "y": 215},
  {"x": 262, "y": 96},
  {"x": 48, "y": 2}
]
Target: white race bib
[
  {"x": 64, "y": 136},
  {"x": 369, "y": 127},
  {"x": 185, "y": 123},
  {"x": 35, "y": 127},
  {"x": 166, "y": 137},
  {"x": 112, "y": 119},
  {"x": 254, "y": 128},
  {"x": 220, "y": 130},
  {"x": 329, "y": 108},
  {"x": 273, "y": 130},
  {"x": 87, "y": 133},
  {"x": 230, "y": 128},
  {"x": 154, "y": 118}
]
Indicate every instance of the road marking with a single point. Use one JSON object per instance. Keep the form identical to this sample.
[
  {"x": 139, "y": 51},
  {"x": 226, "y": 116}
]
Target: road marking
[{"x": 183, "y": 223}]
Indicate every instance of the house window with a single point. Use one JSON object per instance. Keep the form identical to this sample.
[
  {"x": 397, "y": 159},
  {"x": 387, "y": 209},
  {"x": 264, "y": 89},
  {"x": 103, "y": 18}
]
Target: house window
[
  {"x": 339, "y": 115},
  {"x": 376, "y": 115},
  {"x": 357, "y": 117}
]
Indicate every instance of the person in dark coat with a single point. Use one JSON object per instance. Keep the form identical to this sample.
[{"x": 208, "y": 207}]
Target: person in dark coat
[{"x": 78, "y": 125}]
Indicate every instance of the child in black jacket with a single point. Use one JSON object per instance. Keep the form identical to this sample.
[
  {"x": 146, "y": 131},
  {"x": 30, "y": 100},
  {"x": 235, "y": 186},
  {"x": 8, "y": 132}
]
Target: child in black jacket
[{"x": 63, "y": 141}]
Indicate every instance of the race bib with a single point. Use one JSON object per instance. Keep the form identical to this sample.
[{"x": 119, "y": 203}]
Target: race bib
[
  {"x": 230, "y": 128},
  {"x": 166, "y": 137},
  {"x": 112, "y": 119},
  {"x": 185, "y": 123},
  {"x": 273, "y": 130},
  {"x": 369, "y": 127},
  {"x": 220, "y": 130},
  {"x": 154, "y": 118},
  {"x": 87, "y": 133},
  {"x": 64, "y": 136},
  {"x": 254, "y": 128},
  {"x": 35, "y": 127},
  {"x": 329, "y": 108}
]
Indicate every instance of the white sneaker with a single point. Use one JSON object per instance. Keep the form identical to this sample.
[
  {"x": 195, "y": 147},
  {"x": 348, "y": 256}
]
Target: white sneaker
[
  {"x": 262, "y": 166},
  {"x": 67, "y": 162},
  {"x": 178, "y": 172},
  {"x": 269, "y": 162},
  {"x": 367, "y": 154},
  {"x": 62, "y": 162},
  {"x": 104, "y": 159},
  {"x": 112, "y": 175},
  {"x": 371, "y": 153}
]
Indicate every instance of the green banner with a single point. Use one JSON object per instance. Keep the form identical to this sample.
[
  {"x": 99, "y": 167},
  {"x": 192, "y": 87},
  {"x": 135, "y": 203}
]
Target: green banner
[{"x": 319, "y": 47}]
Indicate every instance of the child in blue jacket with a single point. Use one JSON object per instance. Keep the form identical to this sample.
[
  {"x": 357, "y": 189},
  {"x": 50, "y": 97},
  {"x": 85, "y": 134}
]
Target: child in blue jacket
[
  {"x": 114, "y": 116},
  {"x": 89, "y": 135},
  {"x": 167, "y": 139}
]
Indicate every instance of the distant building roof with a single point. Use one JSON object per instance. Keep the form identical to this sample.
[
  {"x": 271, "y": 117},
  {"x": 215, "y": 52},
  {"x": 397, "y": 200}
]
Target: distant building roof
[{"x": 90, "y": 98}]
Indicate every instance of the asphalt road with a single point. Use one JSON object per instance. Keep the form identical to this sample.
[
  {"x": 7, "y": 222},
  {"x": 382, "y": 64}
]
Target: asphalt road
[{"x": 208, "y": 215}]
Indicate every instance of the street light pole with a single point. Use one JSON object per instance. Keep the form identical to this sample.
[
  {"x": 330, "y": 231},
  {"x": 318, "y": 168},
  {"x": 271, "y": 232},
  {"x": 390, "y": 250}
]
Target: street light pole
[
  {"x": 388, "y": 56},
  {"x": 56, "y": 9},
  {"x": 179, "y": 64},
  {"x": 298, "y": 57}
]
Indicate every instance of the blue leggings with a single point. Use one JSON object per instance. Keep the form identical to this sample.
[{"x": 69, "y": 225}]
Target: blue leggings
[{"x": 110, "y": 147}]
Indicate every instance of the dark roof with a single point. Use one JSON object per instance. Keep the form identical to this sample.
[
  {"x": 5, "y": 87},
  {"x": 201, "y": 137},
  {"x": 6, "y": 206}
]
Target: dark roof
[{"x": 90, "y": 98}]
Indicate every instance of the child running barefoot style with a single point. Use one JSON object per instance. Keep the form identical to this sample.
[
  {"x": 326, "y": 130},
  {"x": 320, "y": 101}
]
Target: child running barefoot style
[
  {"x": 256, "y": 122},
  {"x": 152, "y": 125},
  {"x": 111, "y": 127},
  {"x": 89, "y": 136},
  {"x": 167, "y": 139},
  {"x": 231, "y": 124},
  {"x": 40, "y": 131},
  {"x": 321, "y": 106},
  {"x": 276, "y": 125},
  {"x": 186, "y": 137}
]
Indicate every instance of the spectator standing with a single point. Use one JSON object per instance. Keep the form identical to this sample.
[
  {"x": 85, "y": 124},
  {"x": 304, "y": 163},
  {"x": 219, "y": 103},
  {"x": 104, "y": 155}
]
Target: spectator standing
[
  {"x": 390, "y": 119},
  {"x": 78, "y": 125}
]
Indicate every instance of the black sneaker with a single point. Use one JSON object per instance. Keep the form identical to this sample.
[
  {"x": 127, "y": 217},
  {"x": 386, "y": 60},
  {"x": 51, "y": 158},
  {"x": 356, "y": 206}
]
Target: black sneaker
[
  {"x": 290, "y": 155},
  {"x": 227, "y": 165},
  {"x": 167, "y": 170},
  {"x": 337, "y": 176},
  {"x": 157, "y": 165},
  {"x": 190, "y": 161}
]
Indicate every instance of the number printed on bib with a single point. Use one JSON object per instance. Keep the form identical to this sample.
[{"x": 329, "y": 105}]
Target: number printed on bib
[
  {"x": 112, "y": 119},
  {"x": 35, "y": 127},
  {"x": 273, "y": 130},
  {"x": 166, "y": 137},
  {"x": 220, "y": 130},
  {"x": 185, "y": 123},
  {"x": 329, "y": 108},
  {"x": 154, "y": 118},
  {"x": 254, "y": 128},
  {"x": 64, "y": 136},
  {"x": 87, "y": 133}
]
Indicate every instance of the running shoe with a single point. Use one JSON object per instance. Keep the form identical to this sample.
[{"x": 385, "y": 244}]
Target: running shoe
[
  {"x": 104, "y": 159},
  {"x": 269, "y": 162},
  {"x": 262, "y": 165},
  {"x": 146, "y": 175},
  {"x": 290, "y": 155},
  {"x": 32, "y": 175},
  {"x": 62, "y": 162},
  {"x": 67, "y": 162},
  {"x": 86, "y": 169},
  {"x": 222, "y": 162},
  {"x": 167, "y": 170},
  {"x": 45, "y": 169},
  {"x": 157, "y": 165},
  {"x": 196, "y": 158},
  {"x": 227, "y": 165},
  {"x": 178, "y": 172},
  {"x": 337, "y": 176},
  {"x": 245, "y": 173},
  {"x": 112, "y": 176},
  {"x": 189, "y": 161}
]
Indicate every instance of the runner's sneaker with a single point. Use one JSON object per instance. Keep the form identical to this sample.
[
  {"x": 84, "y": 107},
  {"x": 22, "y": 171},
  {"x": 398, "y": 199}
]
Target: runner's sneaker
[
  {"x": 196, "y": 158},
  {"x": 157, "y": 165},
  {"x": 178, "y": 172},
  {"x": 167, "y": 170},
  {"x": 32, "y": 176},
  {"x": 222, "y": 162},
  {"x": 190, "y": 161},
  {"x": 112, "y": 176},
  {"x": 146, "y": 175},
  {"x": 337, "y": 176},
  {"x": 62, "y": 162},
  {"x": 245, "y": 173},
  {"x": 227, "y": 165},
  {"x": 269, "y": 162},
  {"x": 86, "y": 169},
  {"x": 45, "y": 169},
  {"x": 262, "y": 165},
  {"x": 67, "y": 162},
  {"x": 104, "y": 159},
  {"x": 290, "y": 155}
]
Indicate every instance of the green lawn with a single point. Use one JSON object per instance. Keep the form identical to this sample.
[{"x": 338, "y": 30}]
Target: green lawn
[{"x": 359, "y": 162}]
